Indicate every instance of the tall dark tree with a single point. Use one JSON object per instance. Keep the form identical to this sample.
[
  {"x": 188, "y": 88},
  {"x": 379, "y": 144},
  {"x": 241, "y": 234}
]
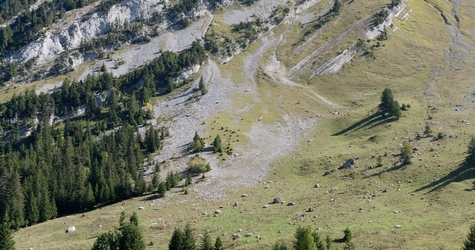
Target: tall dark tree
[
  {"x": 406, "y": 152},
  {"x": 388, "y": 106},
  {"x": 132, "y": 238},
  {"x": 198, "y": 143},
  {"x": 189, "y": 239},
  {"x": 469, "y": 243},
  {"x": 218, "y": 244},
  {"x": 108, "y": 241},
  {"x": 6, "y": 238},
  {"x": 336, "y": 6},
  {"x": 217, "y": 148},
  {"x": 471, "y": 150},
  {"x": 202, "y": 86},
  {"x": 206, "y": 243},
  {"x": 176, "y": 242},
  {"x": 304, "y": 239}
]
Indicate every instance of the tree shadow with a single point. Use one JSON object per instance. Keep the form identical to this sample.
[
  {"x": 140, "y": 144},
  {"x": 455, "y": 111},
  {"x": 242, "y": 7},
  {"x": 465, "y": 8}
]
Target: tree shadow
[
  {"x": 464, "y": 172},
  {"x": 396, "y": 167},
  {"x": 372, "y": 120}
]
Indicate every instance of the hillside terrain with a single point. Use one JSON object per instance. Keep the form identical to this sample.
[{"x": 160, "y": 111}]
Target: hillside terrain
[{"x": 114, "y": 106}]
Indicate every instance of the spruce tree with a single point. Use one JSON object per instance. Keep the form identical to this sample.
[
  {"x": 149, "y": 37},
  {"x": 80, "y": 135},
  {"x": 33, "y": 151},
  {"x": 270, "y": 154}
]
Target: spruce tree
[
  {"x": 206, "y": 243},
  {"x": 406, "y": 152},
  {"x": 6, "y": 238},
  {"x": 318, "y": 241},
  {"x": 132, "y": 238},
  {"x": 217, "y": 145},
  {"x": 134, "y": 219},
  {"x": 162, "y": 189},
  {"x": 188, "y": 180},
  {"x": 176, "y": 242},
  {"x": 218, "y": 244},
  {"x": 189, "y": 239},
  {"x": 469, "y": 243},
  {"x": 304, "y": 239},
  {"x": 202, "y": 86}
]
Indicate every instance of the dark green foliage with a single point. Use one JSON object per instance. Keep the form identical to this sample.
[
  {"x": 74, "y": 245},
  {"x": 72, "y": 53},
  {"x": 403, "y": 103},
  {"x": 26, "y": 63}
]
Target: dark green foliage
[
  {"x": 279, "y": 246},
  {"x": 440, "y": 136},
  {"x": 380, "y": 17},
  {"x": 348, "y": 235},
  {"x": 218, "y": 244},
  {"x": 206, "y": 242},
  {"x": 189, "y": 180},
  {"x": 6, "y": 238},
  {"x": 172, "y": 180},
  {"x": 198, "y": 143},
  {"x": 406, "y": 152},
  {"x": 134, "y": 219},
  {"x": 122, "y": 218},
  {"x": 217, "y": 148},
  {"x": 202, "y": 87},
  {"x": 427, "y": 130},
  {"x": 328, "y": 243},
  {"x": 395, "y": 3},
  {"x": 469, "y": 243},
  {"x": 162, "y": 189},
  {"x": 189, "y": 239},
  {"x": 336, "y": 6},
  {"x": 131, "y": 238},
  {"x": 388, "y": 106},
  {"x": 176, "y": 242},
  {"x": 318, "y": 241},
  {"x": 304, "y": 239},
  {"x": 108, "y": 241},
  {"x": 471, "y": 151}
]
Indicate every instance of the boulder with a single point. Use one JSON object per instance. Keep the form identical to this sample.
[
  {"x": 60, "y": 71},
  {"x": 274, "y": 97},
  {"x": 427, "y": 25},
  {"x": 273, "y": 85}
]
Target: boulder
[
  {"x": 71, "y": 229},
  {"x": 141, "y": 208},
  {"x": 244, "y": 195},
  {"x": 310, "y": 209},
  {"x": 236, "y": 236},
  {"x": 278, "y": 200},
  {"x": 217, "y": 211},
  {"x": 291, "y": 204},
  {"x": 316, "y": 185}
]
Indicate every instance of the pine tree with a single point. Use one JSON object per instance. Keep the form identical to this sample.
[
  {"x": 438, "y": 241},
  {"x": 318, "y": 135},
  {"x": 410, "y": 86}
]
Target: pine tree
[
  {"x": 304, "y": 239},
  {"x": 218, "y": 244},
  {"x": 406, "y": 152},
  {"x": 162, "y": 189},
  {"x": 206, "y": 243},
  {"x": 198, "y": 143},
  {"x": 108, "y": 241},
  {"x": 318, "y": 241},
  {"x": 388, "y": 105},
  {"x": 132, "y": 238},
  {"x": 279, "y": 246},
  {"x": 6, "y": 238},
  {"x": 471, "y": 151},
  {"x": 336, "y": 6},
  {"x": 31, "y": 209},
  {"x": 189, "y": 239},
  {"x": 217, "y": 145},
  {"x": 202, "y": 87},
  {"x": 176, "y": 242},
  {"x": 188, "y": 180},
  {"x": 134, "y": 219},
  {"x": 122, "y": 219},
  {"x": 469, "y": 243}
]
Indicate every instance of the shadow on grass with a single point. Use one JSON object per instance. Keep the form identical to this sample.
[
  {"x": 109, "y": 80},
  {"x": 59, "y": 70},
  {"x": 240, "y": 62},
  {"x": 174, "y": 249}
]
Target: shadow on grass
[
  {"x": 396, "y": 167},
  {"x": 370, "y": 121},
  {"x": 464, "y": 172}
]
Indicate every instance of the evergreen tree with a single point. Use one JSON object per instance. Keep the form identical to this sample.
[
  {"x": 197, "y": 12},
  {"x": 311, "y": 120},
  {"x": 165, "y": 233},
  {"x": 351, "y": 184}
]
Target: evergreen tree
[
  {"x": 328, "y": 243},
  {"x": 162, "y": 189},
  {"x": 336, "y": 6},
  {"x": 134, "y": 219},
  {"x": 132, "y": 238},
  {"x": 189, "y": 239},
  {"x": 31, "y": 209},
  {"x": 469, "y": 243},
  {"x": 318, "y": 241},
  {"x": 188, "y": 180},
  {"x": 406, "y": 152},
  {"x": 471, "y": 151},
  {"x": 279, "y": 246},
  {"x": 206, "y": 243},
  {"x": 6, "y": 238},
  {"x": 217, "y": 145},
  {"x": 108, "y": 241},
  {"x": 202, "y": 87},
  {"x": 388, "y": 105},
  {"x": 122, "y": 218},
  {"x": 218, "y": 244},
  {"x": 176, "y": 242},
  {"x": 198, "y": 143},
  {"x": 304, "y": 239}
]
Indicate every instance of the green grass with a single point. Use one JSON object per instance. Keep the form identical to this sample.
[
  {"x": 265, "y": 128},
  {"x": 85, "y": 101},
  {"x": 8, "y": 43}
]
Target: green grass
[{"x": 431, "y": 218}]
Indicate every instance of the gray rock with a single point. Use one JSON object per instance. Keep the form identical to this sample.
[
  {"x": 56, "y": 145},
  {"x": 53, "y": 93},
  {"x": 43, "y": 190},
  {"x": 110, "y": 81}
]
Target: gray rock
[
  {"x": 71, "y": 229},
  {"x": 316, "y": 185},
  {"x": 278, "y": 200},
  {"x": 310, "y": 209},
  {"x": 291, "y": 204}
]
